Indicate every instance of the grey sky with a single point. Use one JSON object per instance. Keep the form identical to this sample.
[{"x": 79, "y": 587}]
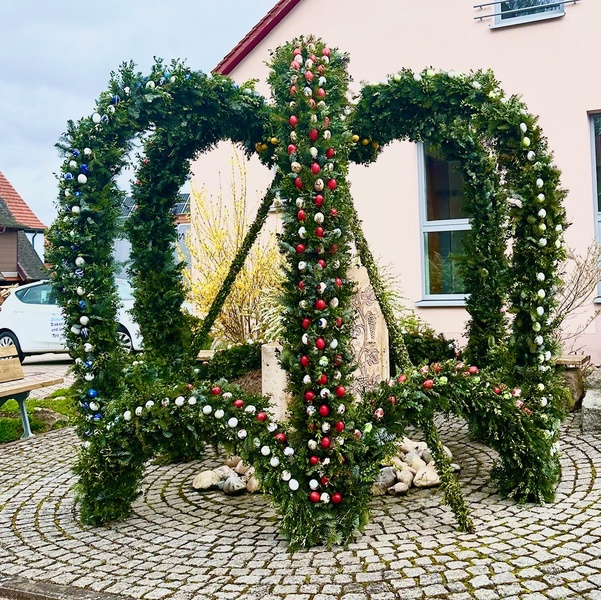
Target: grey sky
[{"x": 57, "y": 56}]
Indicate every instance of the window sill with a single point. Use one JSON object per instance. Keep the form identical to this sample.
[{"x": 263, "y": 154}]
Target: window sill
[
  {"x": 442, "y": 302},
  {"x": 597, "y": 300},
  {"x": 525, "y": 20}
]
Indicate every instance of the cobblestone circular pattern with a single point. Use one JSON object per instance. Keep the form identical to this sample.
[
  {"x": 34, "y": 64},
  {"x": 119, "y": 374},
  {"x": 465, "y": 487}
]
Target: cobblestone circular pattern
[{"x": 181, "y": 544}]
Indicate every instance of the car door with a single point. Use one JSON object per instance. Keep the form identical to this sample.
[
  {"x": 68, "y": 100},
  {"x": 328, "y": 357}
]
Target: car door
[{"x": 39, "y": 322}]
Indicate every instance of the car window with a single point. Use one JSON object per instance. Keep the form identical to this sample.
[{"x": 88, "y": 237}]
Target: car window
[{"x": 37, "y": 294}]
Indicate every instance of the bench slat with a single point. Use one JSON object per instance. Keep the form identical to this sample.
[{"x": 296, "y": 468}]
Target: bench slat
[{"x": 28, "y": 384}]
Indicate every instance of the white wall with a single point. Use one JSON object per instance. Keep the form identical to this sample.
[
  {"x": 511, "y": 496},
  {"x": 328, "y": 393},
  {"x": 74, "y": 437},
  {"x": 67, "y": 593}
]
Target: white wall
[{"x": 551, "y": 64}]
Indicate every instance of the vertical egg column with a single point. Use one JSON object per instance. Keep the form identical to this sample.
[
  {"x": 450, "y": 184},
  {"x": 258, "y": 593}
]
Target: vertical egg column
[{"x": 317, "y": 298}]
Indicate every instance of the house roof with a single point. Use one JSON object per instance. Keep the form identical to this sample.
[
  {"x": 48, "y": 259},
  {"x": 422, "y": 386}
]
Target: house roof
[
  {"x": 6, "y": 219},
  {"x": 255, "y": 36},
  {"x": 17, "y": 207},
  {"x": 29, "y": 263}
]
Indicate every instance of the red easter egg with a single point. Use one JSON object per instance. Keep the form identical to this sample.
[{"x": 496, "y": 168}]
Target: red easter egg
[
  {"x": 304, "y": 361},
  {"x": 309, "y": 396},
  {"x": 324, "y": 480},
  {"x": 339, "y": 426},
  {"x": 326, "y": 51},
  {"x": 261, "y": 416},
  {"x": 322, "y": 379},
  {"x": 216, "y": 391},
  {"x": 333, "y": 212},
  {"x": 338, "y": 360},
  {"x": 309, "y": 75},
  {"x": 338, "y": 322},
  {"x": 331, "y": 184},
  {"x": 326, "y": 122},
  {"x": 338, "y": 282},
  {"x": 314, "y": 496},
  {"x": 322, "y": 263},
  {"x": 319, "y": 200},
  {"x": 306, "y": 323},
  {"x": 330, "y": 152},
  {"x": 298, "y": 182},
  {"x": 320, "y": 343},
  {"x": 293, "y": 121},
  {"x": 321, "y": 93},
  {"x": 320, "y": 304},
  {"x": 301, "y": 285},
  {"x": 313, "y": 135},
  {"x": 340, "y": 391},
  {"x": 319, "y": 232},
  {"x": 301, "y": 215},
  {"x": 300, "y": 248},
  {"x": 428, "y": 384},
  {"x": 325, "y": 442},
  {"x": 238, "y": 403},
  {"x": 324, "y": 410},
  {"x": 292, "y": 149},
  {"x": 402, "y": 378},
  {"x": 336, "y": 498},
  {"x": 315, "y": 168},
  {"x": 295, "y": 65},
  {"x": 314, "y": 460},
  {"x": 280, "y": 437},
  {"x": 292, "y": 92}
]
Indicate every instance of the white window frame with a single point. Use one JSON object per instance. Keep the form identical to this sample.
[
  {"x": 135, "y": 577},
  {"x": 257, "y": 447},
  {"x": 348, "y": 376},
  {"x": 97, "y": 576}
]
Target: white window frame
[
  {"x": 520, "y": 20},
  {"x": 595, "y": 189},
  {"x": 431, "y": 227}
]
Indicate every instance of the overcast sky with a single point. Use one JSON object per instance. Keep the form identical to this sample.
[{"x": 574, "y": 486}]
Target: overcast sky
[{"x": 57, "y": 56}]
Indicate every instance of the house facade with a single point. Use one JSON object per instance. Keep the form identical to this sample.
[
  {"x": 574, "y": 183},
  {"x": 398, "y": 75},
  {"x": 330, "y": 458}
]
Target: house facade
[
  {"x": 20, "y": 233},
  {"x": 410, "y": 200}
]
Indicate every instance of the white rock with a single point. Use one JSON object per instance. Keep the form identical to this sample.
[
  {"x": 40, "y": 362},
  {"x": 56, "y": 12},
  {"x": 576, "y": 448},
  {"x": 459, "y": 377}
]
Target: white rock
[
  {"x": 387, "y": 476},
  {"x": 224, "y": 472},
  {"x": 456, "y": 468},
  {"x": 426, "y": 477},
  {"x": 252, "y": 485},
  {"x": 205, "y": 480},
  {"x": 232, "y": 461},
  {"x": 399, "y": 489},
  {"x": 379, "y": 488},
  {"x": 405, "y": 476},
  {"x": 414, "y": 461},
  {"x": 233, "y": 486},
  {"x": 241, "y": 468}
]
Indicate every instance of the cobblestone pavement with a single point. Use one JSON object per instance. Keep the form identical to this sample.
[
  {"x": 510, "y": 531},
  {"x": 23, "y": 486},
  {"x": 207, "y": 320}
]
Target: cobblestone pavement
[{"x": 181, "y": 544}]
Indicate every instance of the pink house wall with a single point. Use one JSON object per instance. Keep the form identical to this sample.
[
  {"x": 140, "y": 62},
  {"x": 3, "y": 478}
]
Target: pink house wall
[{"x": 552, "y": 64}]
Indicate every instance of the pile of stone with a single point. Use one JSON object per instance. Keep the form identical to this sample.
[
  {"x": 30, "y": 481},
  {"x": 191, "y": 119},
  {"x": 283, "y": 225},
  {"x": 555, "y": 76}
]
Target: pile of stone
[
  {"x": 413, "y": 466},
  {"x": 234, "y": 477}
]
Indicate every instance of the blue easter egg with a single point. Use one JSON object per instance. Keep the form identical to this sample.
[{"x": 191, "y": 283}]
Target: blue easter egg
[
  {"x": 92, "y": 393},
  {"x": 162, "y": 81},
  {"x": 77, "y": 194},
  {"x": 83, "y": 304},
  {"x": 85, "y": 332},
  {"x": 104, "y": 119},
  {"x": 85, "y": 405},
  {"x": 88, "y": 433},
  {"x": 115, "y": 99},
  {"x": 166, "y": 74},
  {"x": 97, "y": 417},
  {"x": 84, "y": 169},
  {"x": 68, "y": 176},
  {"x": 89, "y": 364},
  {"x": 79, "y": 272},
  {"x": 75, "y": 152}
]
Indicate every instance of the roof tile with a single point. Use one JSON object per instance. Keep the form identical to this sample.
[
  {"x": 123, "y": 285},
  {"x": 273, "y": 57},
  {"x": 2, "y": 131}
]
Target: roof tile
[{"x": 17, "y": 206}]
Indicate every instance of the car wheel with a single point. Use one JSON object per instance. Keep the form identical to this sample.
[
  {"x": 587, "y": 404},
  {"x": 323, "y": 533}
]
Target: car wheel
[
  {"x": 8, "y": 338},
  {"x": 124, "y": 339}
]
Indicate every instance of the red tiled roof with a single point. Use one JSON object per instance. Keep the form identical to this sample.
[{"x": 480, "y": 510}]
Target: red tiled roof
[
  {"x": 255, "y": 36},
  {"x": 17, "y": 207}
]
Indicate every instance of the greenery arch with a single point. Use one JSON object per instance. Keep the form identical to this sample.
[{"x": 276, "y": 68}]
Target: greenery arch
[{"x": 320, "y": 464}]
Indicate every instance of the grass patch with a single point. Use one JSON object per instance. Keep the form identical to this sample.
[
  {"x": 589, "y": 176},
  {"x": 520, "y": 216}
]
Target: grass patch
[{"x": 60, "y": 401}]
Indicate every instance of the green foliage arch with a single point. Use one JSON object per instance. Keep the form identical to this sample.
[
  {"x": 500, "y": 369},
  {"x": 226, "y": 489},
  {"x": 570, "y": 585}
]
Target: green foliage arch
[{"x": 319, "y": 465}]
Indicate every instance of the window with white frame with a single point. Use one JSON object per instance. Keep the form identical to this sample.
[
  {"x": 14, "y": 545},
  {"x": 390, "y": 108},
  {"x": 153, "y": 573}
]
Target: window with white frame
[
  {"x": 444, "y": 223},
  {"x": 513, "y": 12},
  {"x": 596, "y": 156}
]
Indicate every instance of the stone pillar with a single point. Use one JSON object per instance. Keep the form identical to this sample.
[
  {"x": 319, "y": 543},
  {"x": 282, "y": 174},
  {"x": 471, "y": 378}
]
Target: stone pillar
[
  {"x": 369, "y": 334},
  {"x": 274, "y": 380}
]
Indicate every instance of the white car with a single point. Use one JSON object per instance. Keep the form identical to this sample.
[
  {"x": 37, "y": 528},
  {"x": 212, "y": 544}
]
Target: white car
[{"x": 31, "y": 319}]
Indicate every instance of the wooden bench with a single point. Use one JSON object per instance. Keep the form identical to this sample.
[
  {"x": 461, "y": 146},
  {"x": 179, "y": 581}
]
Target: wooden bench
[{"x": 15, "y": 385}]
